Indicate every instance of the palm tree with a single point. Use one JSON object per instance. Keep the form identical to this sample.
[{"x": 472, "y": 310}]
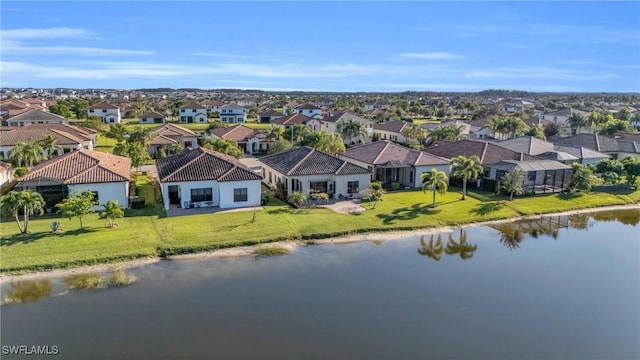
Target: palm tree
[
  {"x": 10, "y": 202},
  {"x": 26, "y": 153},
  {"x": 513, "y": 182},
  {"x": 435, "y": 180},
  {"x": 111, "y": 210},
  {"x": 298, "y": 132},
  {"x": 467, "y": 168},
  {"x": 352, "y": 129},
  {"x": 30, "y": 201},
  {"x": 577, "y": 120},
  {"x": 415, "y": 131},
  {"x": 431, "y": 250},
  {"x": 49, "y": 145},
  {"x": 330, "y": 143},
  {"x": 460, "y": 247},
  {"x": 276, "y": 133},
  {"x": 498, "y": 125}
]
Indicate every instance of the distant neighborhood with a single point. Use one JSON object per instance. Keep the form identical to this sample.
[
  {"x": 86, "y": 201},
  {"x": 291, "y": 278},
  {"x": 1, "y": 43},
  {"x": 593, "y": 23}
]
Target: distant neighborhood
[{"x": 222, "y": 149}]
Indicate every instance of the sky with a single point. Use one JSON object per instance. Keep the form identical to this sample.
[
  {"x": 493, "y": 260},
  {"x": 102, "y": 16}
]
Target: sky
[{"x": 379, "y": 46}]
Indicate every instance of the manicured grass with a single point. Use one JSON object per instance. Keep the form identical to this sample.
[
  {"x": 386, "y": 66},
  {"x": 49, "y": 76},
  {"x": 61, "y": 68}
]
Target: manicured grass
[
  {"x": 104, "y": 144},
  {"x": 147, "y": 232},
  {"x": 258, "y": 126}
]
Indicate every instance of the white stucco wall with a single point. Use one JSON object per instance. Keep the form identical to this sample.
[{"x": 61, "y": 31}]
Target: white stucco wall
[
  {"x": 254, "y": 192},
  {"x": 387, "y": 135},
  {"x": 118, "y": 191},
  {"x": 6, "y": 176},
  {"x": 185, "y": 191}
]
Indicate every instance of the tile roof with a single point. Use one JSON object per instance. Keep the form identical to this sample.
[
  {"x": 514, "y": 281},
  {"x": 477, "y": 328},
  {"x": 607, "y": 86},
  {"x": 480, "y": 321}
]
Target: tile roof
[
  {"x": 35, "y": 115},
  {"x": 527, "y": 144},
  {"x": 271, "y": 112},
  {"x": 151, "y": 114},
  {"x": 580, "y": 152},
  {"x": 294, "y": 119},
  {"x": 172, "y": 130},
  {"x": 391, "y": 126},
  {"x": 191, "y": 105},
  {"x": 200, "y": 164},
  {"x": 307, "y": 106},
  {"x": 346, "y": 116},
  {"x": 598, "y": 142},
  {"x": 103, "y": 105},
  {"x": 557, "y": 155},
  {"x": 383, "y": 152},
  {"x": 82, "y": 167},
  {"x": 236, "y": 133},
  {"x": 5, "y": 165},
  {"x": 65, "y": 134},
  {"x": 488, "y": 152},
  {"x": 232, "y": 106},
  {"x": 302, "y": 161}
]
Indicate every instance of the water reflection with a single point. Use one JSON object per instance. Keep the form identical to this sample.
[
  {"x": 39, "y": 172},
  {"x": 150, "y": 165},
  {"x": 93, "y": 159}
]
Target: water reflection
[
  {"x": 458, "y": 247},
  {"x": 27, "y": 291}
]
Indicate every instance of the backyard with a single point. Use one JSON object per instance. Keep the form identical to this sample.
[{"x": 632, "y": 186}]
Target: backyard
[{"x": 148, "y": 233}]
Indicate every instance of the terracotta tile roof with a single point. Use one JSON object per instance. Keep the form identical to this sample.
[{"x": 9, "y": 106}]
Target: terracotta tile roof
[
  {"x": 308, "y": 161},
  {"x": 82, "y": 167},
  {"x": 151, "y": 114},
  {"x": 346, "y": 116},
  {"x": 271, "y": 112},
  {"x": 307, "y": 106},
  {"x": 171, "y": 130},
  {"x": 488, "y": 152},
  {"x": 103, "y": 105},
  {"x": 294, "y": 119},
  {"x": 162, "y": 140},
  {"x": 5, "y": 166},
  {"x": 36, "y": 115},
  {"x": 236, "y": 133},
  {"x": 391, "y": 126},
  {"x": 382, "y": 152},
  {"x": 65, "y": 134},
  {"x": 232, "y": 106},
  {"x": 191, "y": 105},
  {"x": 201, "y": 164}
]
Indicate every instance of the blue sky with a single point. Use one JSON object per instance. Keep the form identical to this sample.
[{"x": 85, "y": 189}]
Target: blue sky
[{"x": 327, "y": 46}]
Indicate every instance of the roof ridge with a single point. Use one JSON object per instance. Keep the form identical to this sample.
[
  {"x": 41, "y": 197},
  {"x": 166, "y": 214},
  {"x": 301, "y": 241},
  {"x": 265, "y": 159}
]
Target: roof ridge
[
  {"x": 381, "y": 151},
  {"x": 301, "y": 160},
  {"x": 344, "y": 163},
  {"x": 418, "y": 158},
  {"x": 484, "y": 151}
]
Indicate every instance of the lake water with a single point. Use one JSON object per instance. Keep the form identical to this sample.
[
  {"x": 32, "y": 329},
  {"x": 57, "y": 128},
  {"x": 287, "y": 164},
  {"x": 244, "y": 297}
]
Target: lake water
[{"x": 559, "y": 287}]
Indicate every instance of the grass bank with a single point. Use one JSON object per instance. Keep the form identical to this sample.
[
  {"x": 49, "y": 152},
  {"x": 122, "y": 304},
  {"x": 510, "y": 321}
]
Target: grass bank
[{"x": 148, "y": 233}]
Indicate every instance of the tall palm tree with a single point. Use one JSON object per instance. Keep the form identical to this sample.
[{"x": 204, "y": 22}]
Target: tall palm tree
[
  {"x": 415, "y": 131},
  {"x": 436, "y": 181},
  {"x": 331, "y": 143},
  {"x": 460, "y": 247},
  {"x": 17, "y": 154},
  {"x": 431, "y": 250},
  {"x": 26, "y": 153},
  {"x": 577, "y": 121},
  {"x": 10, "y": 202},
  {"x": 352, "y": 129},
  {"x": 276, "y": 133},
  {"x": 298, "y": 132},
  {"x": 30, "y": 201},
  {"x": 498, "y": 125},
  {"x": 49, "y": 145},
  {"x": 467, "y": 168}
]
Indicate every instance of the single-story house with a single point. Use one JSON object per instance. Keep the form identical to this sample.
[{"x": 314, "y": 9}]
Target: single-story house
[
  {"x": 269, "y": 115},
  {"x": 35, "y": 116},
  {"x": 249, "y": 140},
  {"x": 541, "y": 176},
  {"x": 106, "y": 175},
  {"x": 550, "y": 151},
  {"x": 205, "y": 178},
  {"x": 392, "y": 163},
  {"x": 308, "y": 170},
  {"x": 617, "y": 148},
  {"x": 68, "y": 137},
  {"x": 298, "y": 119},
  {"x": 152, "y": 117},
  {"x": 169, "y": 135}
]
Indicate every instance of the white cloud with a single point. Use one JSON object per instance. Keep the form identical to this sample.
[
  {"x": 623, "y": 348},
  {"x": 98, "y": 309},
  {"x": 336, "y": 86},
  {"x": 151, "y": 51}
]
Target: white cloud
[
  {"x": 50, "y": 33},
  {"x": 432, "y": 56}
]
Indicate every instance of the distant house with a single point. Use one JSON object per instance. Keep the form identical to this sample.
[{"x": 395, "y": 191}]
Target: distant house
[
  {"x": 193, "y": 113},
  {"x": 6, "y": 173},
  {"x": 392, "y": 130},
  {"x": 109, "y": 113},
  {"x": 233, "y": 113},
  {"x": 334, "y": 123},
  {"x": 541, "y": 176},
  {"x": 550, "y": 151},
  {"x": 392, "y": 163},
  {"x": 152, "y": 117},
  {"x": 35, "y": 117},
  {"x": 212, "y": 105},
  {"x": 479, "y": 129},
  {"x": 204, "y": 178},
  {"x": 68, "y": 137},
  {"x": 309, "y": 110},
  {"x": 617, "y": 148},
  {"x": 249, "y": 140},
  {"x": 308, "y": 170},
  {"x": 106, "y": 175},
  {"x": 378, "y": 105},
  {"x": 562, "y": 116},
  {"x": 464, "y": 127},
  {"x": 269, "y": 115},
  {"x": 296, "y": 119},
  {"x": 169, "y": 135}
]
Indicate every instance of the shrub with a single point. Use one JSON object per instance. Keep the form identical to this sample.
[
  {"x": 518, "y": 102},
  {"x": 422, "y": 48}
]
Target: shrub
[
  {"x": 20, "y": 172},
  {"x": 120, "y": 278},
  {"x": 85, "y": 281},
  {"x": 272, "y": 250},
  {"x": 297, "y": 199},
  {"x": 55, "y": 226}
]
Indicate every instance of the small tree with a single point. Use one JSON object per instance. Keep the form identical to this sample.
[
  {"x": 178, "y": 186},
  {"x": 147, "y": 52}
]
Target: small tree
[
  {"x": 436, "y": 181},
  {"x": 467, "y": 168},
  {"x": 610, "y": 170},
  {"x": 632, "y": 169},
  {"x": 27, "y": 200},
  {"x": 297, "y": 199},
  {"x": 78, "y": 205},
  {"x": 10, "y": 203},
  {"x": 279, "y": 145},
  {"x": 582, "y": 179},
  {"x": 112, "y": 211},
  {"x": 513, "y": 182},
  {"x": 374, "y": 193}
]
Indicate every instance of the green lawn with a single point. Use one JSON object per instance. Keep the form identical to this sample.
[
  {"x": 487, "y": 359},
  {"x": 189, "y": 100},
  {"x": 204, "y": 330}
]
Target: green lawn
[
  {"x": 104, "y": 144},
  {"x": 147, "y": 232}
]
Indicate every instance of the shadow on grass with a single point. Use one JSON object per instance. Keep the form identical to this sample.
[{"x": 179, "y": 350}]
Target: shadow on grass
[
  {"x": 487, "y": 208},
  {"x": 569, "y": 196},
  {"x": 24, "y": 239},
  {"x": 77, "y": 232},
  {"x": 407, "y": 213},
  {"x": 280, "y": 210}
]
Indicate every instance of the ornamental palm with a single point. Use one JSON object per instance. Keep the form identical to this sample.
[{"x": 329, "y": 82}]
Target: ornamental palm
[
  {"x": 414, "y": 131},
  {"x": 460, "y": 247},
  {"x": 49, "y": 145},
  {"x": 436, "y": 181},
  {"x": 26, "y": 153},
  {"x": 276, "y": 133},
  {"x": 30, "y": 201},
  {"x": 10, "y": 202},
  {"x": 298, "y": 132},
  {"x": 431, "y": 250},
  {"x": 352, "y": 129},
  {"x": 467, "y": 168}
]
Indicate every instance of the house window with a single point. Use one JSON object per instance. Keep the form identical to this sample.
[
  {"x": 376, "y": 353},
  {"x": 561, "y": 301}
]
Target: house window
[
  {"x": 270, "y": 176},
  {"x": 182, "y": 110},
  {"x": 500, "y": 174},
  {"x": 187, "y": 144},
  {"x": 193, "y": 110},
  {"x": 240, "y": 194},
  {"x": 104, "y": 111},
  {"x": 204, "y": 194},
  {"x": 486, "y": 173},
  {"x": 90, "y": 110},
  {"x": 318, "y": 186},
  {"x": 531, "y": 176},
  {"x": 264, "y": 173},
  {"x": 111, "y": 120},
  {"x": 353, "y": 187}
]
